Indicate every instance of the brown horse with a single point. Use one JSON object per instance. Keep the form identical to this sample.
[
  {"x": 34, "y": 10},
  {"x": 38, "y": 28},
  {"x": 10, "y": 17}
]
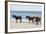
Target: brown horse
[
  {"x": 30, "y": 18},
  {"x": 17, "y": 17},
  {"x": 38, "y": 19}
]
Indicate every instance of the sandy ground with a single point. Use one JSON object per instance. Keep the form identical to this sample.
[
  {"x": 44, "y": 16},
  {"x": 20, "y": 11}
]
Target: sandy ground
[{"x": 23, "y": 24}]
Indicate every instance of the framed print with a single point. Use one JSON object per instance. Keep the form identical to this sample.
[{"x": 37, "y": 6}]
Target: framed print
[{"x": 22, "y": 16}]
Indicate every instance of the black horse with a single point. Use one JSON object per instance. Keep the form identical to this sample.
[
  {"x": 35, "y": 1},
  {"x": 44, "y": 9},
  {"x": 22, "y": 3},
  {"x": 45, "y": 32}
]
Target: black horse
[
  {"x": 30, "y": 18},
  {"x": 38, "y": 19},
  {"x": 17, "y": 17}
]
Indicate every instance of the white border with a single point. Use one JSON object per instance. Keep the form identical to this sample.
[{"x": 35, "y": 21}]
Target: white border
[{"x": 30, "y": 29}]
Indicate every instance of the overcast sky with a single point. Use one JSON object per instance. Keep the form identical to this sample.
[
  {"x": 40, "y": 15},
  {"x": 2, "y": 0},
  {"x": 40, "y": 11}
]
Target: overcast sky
[{"x": 25, "y": 8}]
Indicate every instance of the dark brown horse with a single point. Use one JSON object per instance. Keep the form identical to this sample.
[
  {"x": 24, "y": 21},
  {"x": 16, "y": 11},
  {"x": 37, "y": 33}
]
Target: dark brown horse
[
  {"x": 30, "y": 18},
  {"x": 38, "y": 19},
  {"x": 17, "y": 17}
]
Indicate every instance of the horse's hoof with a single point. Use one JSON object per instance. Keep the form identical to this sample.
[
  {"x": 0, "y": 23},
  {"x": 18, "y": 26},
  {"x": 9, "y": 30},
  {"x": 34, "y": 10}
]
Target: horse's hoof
[
  {"x": 20, "y": 22},
  {"x": 36, "y": 24},
  {"x": 16, "y": 22}
]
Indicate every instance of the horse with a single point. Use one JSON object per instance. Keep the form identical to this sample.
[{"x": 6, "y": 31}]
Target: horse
[
  {"x": 38, "y": 19},
  {"x": 30, "y": 18},
  {"x": 17, "y": 17}
]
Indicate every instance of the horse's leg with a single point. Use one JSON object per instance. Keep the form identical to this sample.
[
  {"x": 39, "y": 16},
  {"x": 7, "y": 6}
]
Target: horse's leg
[
  {"x": 16, "y": 20},
  {"x": 20, "y": 20},
  {"x": 29, "y": 21},
  {"x": 40, "y": 22},
  {"x": 32, "y": 21},
  {"x": 36, "y": 22}
]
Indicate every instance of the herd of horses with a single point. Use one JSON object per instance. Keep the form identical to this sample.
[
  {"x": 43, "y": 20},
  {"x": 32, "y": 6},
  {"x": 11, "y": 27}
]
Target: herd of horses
[{"x": 37, "y": 19}]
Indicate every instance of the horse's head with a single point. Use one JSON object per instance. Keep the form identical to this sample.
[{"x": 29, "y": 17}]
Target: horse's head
[
  {"x": 27, "y": 16},
  {"x": 13, "y": 15}
]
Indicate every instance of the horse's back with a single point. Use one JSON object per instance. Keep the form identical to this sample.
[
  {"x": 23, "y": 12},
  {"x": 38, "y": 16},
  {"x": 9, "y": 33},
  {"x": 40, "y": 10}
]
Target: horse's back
[
  {"x": 38, "y": 19},
  {"x": 18, "y": 17}
]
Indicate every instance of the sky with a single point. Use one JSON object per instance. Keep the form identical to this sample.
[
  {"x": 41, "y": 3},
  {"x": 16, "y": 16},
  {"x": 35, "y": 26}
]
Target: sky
[{"x": 25, "y": 8}]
